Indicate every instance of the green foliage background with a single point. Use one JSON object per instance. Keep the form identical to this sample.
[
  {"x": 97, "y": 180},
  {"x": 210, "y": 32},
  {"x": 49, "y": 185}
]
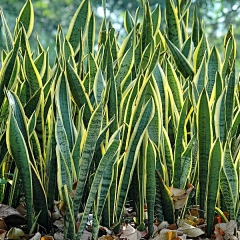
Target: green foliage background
[{"x": 217, "y": 15}]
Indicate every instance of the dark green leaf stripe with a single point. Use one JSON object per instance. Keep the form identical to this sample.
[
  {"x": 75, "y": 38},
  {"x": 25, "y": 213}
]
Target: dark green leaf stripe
[
  {"x": 204, "y": 134},
  {"x": 131, "y": 156},
  {"x": 166, "y": 200},
  {"x": 18, "y": 149},
  {"x": 78, "y": 24},
  {"x": 179, "y": 147},
  {"x": 215, "y": 163},
  {"x": 106, "y": 159},
  {"x": 181, "y": 61},
  {"x": 78, "y": 91},
  {"x": 150, "y": 185},
  {"x": 93, "y": 131}
]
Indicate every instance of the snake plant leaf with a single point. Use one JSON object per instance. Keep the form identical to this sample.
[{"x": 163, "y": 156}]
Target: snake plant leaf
[
  {"x": 227, "y": 56},
  {"x": 93, "y": 70},
  {"x": 195, "y": 28},
  {"x": 230, "y": 99},
  {"x": 201, "y": 76},
  {"x": 204, "y": 136},
  {"x": 150, "y": 185},
  {"x": 64, "y": 149},
  {"x": 168, "y": 155},
  {"x": 186, "y": 163},
  {"x": 214, "y": 65},
  {"x": 187, "y": 48},
  {"x": 161, "y": 80},
  {"x": 156, "y": 19},
  {"x": 113, "y": 106},
  {"x": 106, "y": 159},
  {"x": 67, "y": 49},
  {"x": 51, "y": 160},
  {"x": 219, "y": 117},
  {"x": 128, "y": 22},
  {"x": 91, "y": 33},
  {"x": 219, "y": 85},
  {"x": 32, "y": 123},
  {"x": 39, "y": 194},
  {"x": 230, "y": 171},
  {"x": 63, "y": 103},
  {"x": 179, "y": 147},
  {"x": 40, "y": 63},
  {"x": 78, "y": 92},
  {"x": 154, "y": 59},
  {"x": 173, "y": 24},
  {"x": 78, "y": 24},
  {"x": 7, "y": 33},
  {"x": 147, "y": 26},
  {"x": 106, "y": 183},
  {"x": 175, "y": 86},
  {"x": 18, "y": 150},
  {"x": 34, "y": 103},
  {"x": 93, "y": 131},
  {"x": 98, "y": 86},
  {"x": 202, "y": 50},
  {"x": 167, "y": 201},
  {"x": 181, "y": 61},
  {"x": 7, "y": 67},
  {"x": 33, "y": 76},
  {"x": 125, "y": 67},
  {"x": 227, "y": 194},
  {"x": 127, "y": 43},
  {"x": 26, "y": 18},
  {"x": 215, "y": 163},
  {"x": 129, "y": 162},
  {"x": 18, "y": 112},
  {"x": 145, "y": 58},
  {"x": 234, "y": 126},
  {"x": 69, "y": 230}
]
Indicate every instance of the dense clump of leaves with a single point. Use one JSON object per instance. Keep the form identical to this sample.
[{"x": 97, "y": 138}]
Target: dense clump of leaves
[{"x": 109, "y": 124}]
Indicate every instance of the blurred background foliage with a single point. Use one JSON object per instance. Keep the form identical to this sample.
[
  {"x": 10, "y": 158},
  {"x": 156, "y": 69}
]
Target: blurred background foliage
[{"x": 217, "y": 16}]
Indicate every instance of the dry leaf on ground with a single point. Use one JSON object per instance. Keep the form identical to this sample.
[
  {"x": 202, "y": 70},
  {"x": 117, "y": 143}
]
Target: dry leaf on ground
[
  {"x": 180, "y": 196},
  {"x": 2, "y": 234},
  {"x": 15, "y": 233},
  {"x": 58, "y": 236},
  {"x": 227, "y": 228},
  {"x": 130, "y": 233},
  {"x": 11, "y": 216},
  {"x": 190, "y": 230},
  {"x": 37, "y": 236}
]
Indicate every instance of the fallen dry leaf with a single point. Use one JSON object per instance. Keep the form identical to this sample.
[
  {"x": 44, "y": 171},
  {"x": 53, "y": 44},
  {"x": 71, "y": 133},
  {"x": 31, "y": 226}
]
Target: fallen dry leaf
[
  {"x": 180, "y": 196},
  {"x": 22, "y": 210},
  {"x": 15, "y": 233},
  {"x": 86, "y": 235},
  {"x": 218, "y": 233},
  {"x": 59, "y": 224},
  {"x": 190, "y": 230},
  {"x": 56, "y": 213},
  {"x": 167, "y": 234},
  {"x": 2, "y": 234},
  {"x": 227, "y": 228},
  {"x": 161, "y": 226},
  {"x": 37, "y": 236},
  {"x": 58, "y": 236},
  {"x": 105, "y": 238},
  {"x": 3, "y": 224},
  {"x": 130, "y": 233},
  {"x": 11, "y": 216},
  {"x": 172, "y": 227}
]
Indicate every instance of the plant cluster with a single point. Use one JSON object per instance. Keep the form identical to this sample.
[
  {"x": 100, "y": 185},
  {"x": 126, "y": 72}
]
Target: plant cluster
[{"x": 111, "y": 124}]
